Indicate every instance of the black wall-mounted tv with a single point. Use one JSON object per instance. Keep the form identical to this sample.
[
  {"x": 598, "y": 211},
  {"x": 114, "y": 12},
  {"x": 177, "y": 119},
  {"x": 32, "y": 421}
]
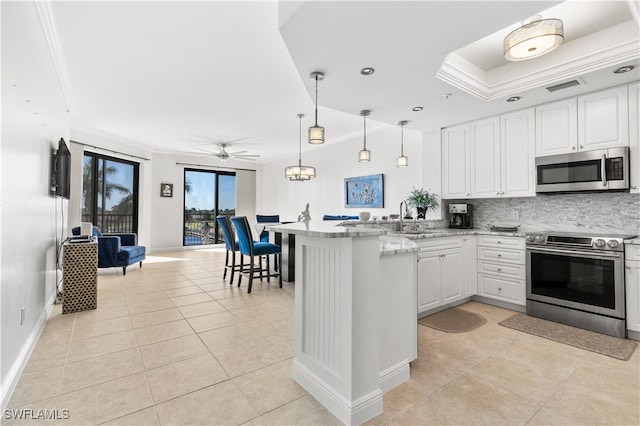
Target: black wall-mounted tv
[{"x": 62, "y": 170}]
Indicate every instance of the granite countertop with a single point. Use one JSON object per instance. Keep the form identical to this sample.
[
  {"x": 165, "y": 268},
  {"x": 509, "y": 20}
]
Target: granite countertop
[
  {"x": 325, "y": 230},
  {"x": 392, "y": 244},
  {"x": 446, "y": 232}
]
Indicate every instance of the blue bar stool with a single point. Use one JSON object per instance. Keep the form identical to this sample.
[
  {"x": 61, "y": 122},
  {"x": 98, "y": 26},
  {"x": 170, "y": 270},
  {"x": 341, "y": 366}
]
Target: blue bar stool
[
  {"x": 251, "y": 248},
  {"x": 261, "y": 218},
  {"x": 231, "y": 244}
]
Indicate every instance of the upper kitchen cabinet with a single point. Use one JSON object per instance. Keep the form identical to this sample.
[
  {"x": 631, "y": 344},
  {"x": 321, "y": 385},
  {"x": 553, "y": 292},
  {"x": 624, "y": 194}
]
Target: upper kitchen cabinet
[
  {"x": 517, "y": 153},
  {"x": 485, "y": 158},
  {"x": 456, "y": 158},
  {"x": 595, "y": 121},
  {"x": 634, "y": 137}
]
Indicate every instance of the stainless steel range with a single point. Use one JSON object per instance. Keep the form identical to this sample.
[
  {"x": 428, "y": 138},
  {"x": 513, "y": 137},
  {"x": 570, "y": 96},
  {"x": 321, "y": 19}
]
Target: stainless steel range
[{"x": 577, "y": 279}]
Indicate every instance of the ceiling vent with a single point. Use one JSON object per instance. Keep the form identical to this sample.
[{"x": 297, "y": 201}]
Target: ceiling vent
[{"x": 565, "y": 85}]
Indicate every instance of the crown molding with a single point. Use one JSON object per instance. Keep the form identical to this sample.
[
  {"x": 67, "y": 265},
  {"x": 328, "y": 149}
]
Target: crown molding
[{"x": 49, "y": 28}]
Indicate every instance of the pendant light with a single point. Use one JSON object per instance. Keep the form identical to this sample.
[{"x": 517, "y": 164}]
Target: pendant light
[
  {"x": 402, "y": 160},
  {"x": 364, "y": 155},
  {"x": 316, "y": 133},
  {"x": 534, "y": 38},
  {"x": 300, "y": 172}
]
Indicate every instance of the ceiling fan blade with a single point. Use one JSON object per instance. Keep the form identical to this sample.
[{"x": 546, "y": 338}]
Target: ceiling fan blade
[{"x": 237, "y": 152}]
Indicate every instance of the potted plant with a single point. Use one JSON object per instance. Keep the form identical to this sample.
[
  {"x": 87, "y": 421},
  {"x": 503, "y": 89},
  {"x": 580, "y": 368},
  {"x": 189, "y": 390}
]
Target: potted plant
[{"x": 423, "y": 201}]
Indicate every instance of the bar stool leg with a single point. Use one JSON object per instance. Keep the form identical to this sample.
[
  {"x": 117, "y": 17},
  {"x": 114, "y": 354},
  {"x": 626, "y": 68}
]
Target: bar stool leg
[
  {"x": 226, "y": 265},
  {"x": 268, "y": 270},
  {"x": 250, "y": 275}
]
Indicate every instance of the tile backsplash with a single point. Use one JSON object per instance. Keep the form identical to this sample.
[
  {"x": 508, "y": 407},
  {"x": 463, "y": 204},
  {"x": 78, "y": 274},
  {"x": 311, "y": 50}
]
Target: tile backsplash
[{"x": 571, "y": 212}]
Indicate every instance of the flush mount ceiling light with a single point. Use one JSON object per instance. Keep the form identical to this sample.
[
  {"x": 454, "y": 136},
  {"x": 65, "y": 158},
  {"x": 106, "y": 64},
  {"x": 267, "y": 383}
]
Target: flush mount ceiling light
[
  {"x": 624, "y": 69},
  {"x": 316, "y": 133},
  {"x": 402, "y": 160},
  {"x": 364, "y": 156},
  {"x": 534, "y": 38},
  {"x": 513, "y": 99},
  {"x": 367, "y": 71},
  {"x": 300, "y": 172}
]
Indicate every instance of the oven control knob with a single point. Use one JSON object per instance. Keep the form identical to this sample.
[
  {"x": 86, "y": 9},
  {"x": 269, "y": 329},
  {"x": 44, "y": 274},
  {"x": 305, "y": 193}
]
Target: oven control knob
[
  {"x": 613, "y": 243},
  {"x": 600, "y": 243},
  {"x": 540, "y": 239},
  {"x": 531, "y": 238}
]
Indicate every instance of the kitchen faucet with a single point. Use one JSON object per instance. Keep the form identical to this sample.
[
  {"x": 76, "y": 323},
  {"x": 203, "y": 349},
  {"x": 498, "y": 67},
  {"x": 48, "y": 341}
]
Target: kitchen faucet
[{"x": 401, "y": 215}]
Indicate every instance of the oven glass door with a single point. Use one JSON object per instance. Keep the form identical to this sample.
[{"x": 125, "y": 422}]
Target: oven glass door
[
  {"x": 582, "y": 280},
  {"x": 570, "y": 172}
]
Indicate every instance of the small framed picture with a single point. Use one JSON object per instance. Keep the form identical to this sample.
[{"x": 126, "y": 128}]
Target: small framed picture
[{"x": 166, "y": 190}]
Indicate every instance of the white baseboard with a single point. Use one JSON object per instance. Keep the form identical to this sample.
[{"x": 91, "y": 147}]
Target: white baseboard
[
  {"x": 349, "y": 413},
  {"x": 14, "y": 373},
  {"x": 394, "y": 376}
]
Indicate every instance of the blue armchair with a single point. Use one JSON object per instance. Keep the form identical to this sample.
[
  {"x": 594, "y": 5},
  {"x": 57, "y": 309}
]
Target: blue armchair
[{"x": 119, "y": 249}]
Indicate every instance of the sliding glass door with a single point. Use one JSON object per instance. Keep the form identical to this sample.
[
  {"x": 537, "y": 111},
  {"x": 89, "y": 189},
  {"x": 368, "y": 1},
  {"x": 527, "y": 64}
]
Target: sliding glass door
[
  {"x": 110, "y": 193},
  {"x": 206, "y": 194}
]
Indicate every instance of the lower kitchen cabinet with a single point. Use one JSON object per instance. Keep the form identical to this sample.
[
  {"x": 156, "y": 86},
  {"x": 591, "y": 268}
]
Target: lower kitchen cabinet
[
  {"x": 446, "y": 271},
  {"x": 501, "y": 268},
  {"x": 632, "y": 284}
]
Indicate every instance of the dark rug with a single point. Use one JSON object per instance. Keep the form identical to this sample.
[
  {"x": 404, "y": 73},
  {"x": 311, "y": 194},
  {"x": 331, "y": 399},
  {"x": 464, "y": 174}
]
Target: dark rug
[
  {"x": 583, "y": 339},
  {"x": 454, "y": 320}
]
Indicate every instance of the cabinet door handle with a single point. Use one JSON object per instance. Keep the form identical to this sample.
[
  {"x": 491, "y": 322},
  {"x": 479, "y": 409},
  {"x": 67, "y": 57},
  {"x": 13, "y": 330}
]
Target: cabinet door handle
[
  {"x": 633, "y": 187},
  {"x": 628, "y": 267},
  {"x": 499, "y": 255},
  {"x": 581, "y": 146},
  {"x": 499, "y": 270},
  {"x": 497, "y": 192},
  {"x": 499, "y": 288},
  {"x": 573, "y": 147}
]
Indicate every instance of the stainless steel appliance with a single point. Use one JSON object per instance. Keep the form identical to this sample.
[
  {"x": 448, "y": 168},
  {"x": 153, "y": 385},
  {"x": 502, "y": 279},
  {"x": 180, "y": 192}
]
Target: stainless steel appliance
[
  {"x": 461, "y": 216},
  {"x": 577, "y": 279},
  {"x": 600, "y": 170}
]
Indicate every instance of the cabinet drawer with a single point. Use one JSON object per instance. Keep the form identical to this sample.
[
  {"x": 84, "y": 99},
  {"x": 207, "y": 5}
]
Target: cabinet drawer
[
  {"x": 430, "y": 244},
  {"x": 501, "y": 256},
  {"x": 497, "y": 288},
  {"x": 632, "y": 252},
  {"x": 498, "y": 241},
  {"x": 516, "y": 272}
]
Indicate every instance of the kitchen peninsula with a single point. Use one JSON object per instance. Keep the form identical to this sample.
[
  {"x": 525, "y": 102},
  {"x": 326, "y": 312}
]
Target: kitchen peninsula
[{"x": 355, "y": 315}]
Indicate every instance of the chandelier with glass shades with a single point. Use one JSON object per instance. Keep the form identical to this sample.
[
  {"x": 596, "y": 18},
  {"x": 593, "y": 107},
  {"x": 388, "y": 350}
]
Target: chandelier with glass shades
[{"x": 300, "y": 172}]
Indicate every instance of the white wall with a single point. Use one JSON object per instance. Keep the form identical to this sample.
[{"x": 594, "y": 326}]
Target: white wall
[
  {"x": 333, "y": 163},
  {"x": 31, "y": 219},
  {"x": 166, "y": 219}
]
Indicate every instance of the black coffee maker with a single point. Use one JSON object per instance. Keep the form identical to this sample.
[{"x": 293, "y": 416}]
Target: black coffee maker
[{"x": 461, "y": 216}]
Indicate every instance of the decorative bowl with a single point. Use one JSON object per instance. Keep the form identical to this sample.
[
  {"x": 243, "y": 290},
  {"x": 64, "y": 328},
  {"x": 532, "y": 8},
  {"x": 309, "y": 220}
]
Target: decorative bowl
[{"x": 364, "y": 215}]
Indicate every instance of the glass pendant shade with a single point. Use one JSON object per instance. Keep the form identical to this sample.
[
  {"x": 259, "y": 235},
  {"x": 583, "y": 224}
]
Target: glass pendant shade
[
  {"x": 532, "y": 39},
  {"x": 316, "y": 132},
  {"x": 364, "y": 156},
  {"x": 403, "y": 161},
  {"x": 300, "y": 172}
]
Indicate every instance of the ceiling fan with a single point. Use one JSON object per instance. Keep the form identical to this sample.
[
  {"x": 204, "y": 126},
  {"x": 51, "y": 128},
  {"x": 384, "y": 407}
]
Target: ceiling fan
[{"x": 224, "y": 155}]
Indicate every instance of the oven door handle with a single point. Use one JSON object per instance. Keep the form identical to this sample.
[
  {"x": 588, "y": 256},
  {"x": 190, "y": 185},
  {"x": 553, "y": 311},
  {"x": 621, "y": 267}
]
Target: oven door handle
[
  {"x": 566, "y": 252},
  {"x": 603, "y": 169}
]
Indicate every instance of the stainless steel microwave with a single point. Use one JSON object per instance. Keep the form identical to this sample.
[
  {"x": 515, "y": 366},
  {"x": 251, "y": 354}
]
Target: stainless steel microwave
[{"x": 600, "y": 170}]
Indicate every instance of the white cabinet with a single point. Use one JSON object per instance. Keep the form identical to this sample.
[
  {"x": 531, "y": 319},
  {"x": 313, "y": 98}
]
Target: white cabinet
[
  {"x": 632, "y": 284},
  {"x": 634, "y": 137},
  {"x": 485, "y": 158},
  {"x": 444, "y": 273},
  {"x": 598, "y": 120},
  {"x": 501, "y": 268},
  {"x": 456, "y": 162},
  {"x": 517, "y": 154}
]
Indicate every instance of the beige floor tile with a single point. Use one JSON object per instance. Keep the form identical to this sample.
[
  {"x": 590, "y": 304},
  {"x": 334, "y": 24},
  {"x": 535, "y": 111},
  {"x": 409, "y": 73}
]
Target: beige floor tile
[
  {"x": 398, "y": 399},
  {"x": 213, "y": 287},
  {"x": 111, "y": 302},
  {"x": 164, "y": 331},
  {"x": 179, "y": 378},
  {"x": 545, "y": 417},
  {"x": 169, "y": 351},
  {"x": 283, "y": 342},
  {"x": 230, "y": 335},
  {"x": 429, "y": 373},
  {"x": 210, "y": 321},
  {"x": 141, "y": 289},
  {"x": 146, "y": 417},
  {"x": 220, "y": 404},
  {"x": 178, "y": 283},
  {"x": 36, "y": 386},
  {"x": 145, "y": 297},
  {"x": 47, "y": 355},
  {"x": 183, "y": 291},
  {"x": 271, "y": 325},
  {"x": 303, "y": 411},
  {"x": 83, "y": 349},
  {"x": 269, "y": 387},
  {"x": 194, "y": 310},
  {"x": 150, "y": 306},
  {"x": 102, "y": 314},
  {"x": 190, "y": 299},
  {"x": 247, "y": 357},
  {"x": 100, "y": 328},
  {"x": 155, "y": 317},
  {"x": 93, "y": 371},
  {"x": 106, "y": 401}
]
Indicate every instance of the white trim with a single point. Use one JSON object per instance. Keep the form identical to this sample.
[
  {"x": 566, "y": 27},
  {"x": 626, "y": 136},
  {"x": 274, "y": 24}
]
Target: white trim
[
  {"x": 50, "y": 30},
  {"x": 14, "y": 373},
  {"x": 394, "y": 376}
]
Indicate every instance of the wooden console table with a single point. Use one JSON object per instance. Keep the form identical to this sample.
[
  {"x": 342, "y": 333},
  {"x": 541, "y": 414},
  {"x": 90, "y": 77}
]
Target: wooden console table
[{"x": 80, "y": 277}]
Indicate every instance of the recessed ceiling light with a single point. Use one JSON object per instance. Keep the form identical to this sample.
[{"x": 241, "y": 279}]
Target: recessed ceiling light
[
  {"x": 416, "y": 108},
  {"x": 367, "y": 71},
  {"x": 624, "y": 69},
  {"x": 513, "y": 99},
  {"x": 447, "y": 95}
]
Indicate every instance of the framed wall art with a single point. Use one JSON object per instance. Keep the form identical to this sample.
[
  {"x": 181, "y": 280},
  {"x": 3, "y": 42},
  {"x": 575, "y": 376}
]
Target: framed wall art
[
  {"x": 166, "y": 190},
  {"x": 364, "y": 191}
]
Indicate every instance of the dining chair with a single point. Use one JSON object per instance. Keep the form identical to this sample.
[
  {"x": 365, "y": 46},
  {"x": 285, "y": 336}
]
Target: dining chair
[
  {"x": 231, "y": 244},
  {"x": 261, "y": 218},
  {"x": 251, "y": 248}
]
